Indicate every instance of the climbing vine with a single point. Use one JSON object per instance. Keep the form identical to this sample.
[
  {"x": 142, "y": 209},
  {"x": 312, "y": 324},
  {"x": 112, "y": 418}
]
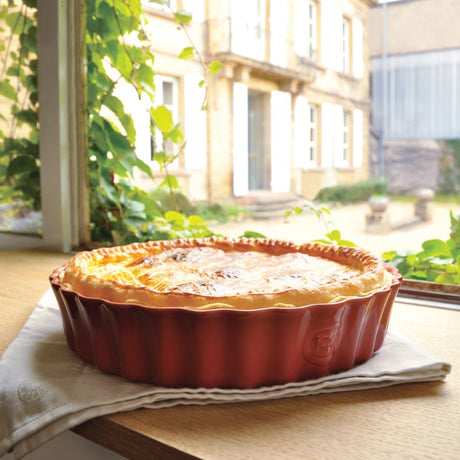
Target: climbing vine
[
  {"x": 118, "y": 52},
  {"x": 19, "y": 157}
]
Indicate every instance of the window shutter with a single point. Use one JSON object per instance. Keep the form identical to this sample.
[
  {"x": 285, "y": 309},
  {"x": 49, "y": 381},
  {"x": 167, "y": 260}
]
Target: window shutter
[
  {"x": 139, "y": 110},
  {"x": 338, "y": 136},
  {"x": 240, "y": 139},
  {"x": 280, "y": 141},
  {"x": 358, "y": 141},
  {"x": 301, "y": 126},
  {"x": 331, "y": 31},
  {"x": 278, "y": 32},
  {"x": 238, "y": 27},
  {"x": 337, "y": 37},
  {"x": 300, "y": 25},
  {"x": 357, "y": 31},
  {"x": 327, "y": 134},
  {"x": 327, "y": 33},
  {"x": 194, "y": 123}
]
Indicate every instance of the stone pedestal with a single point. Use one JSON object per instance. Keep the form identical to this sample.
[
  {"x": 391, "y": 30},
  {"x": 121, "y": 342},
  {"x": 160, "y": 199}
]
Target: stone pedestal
[
  {"x": 378, "y": 222},
  {"x": 422, "y": 208}
]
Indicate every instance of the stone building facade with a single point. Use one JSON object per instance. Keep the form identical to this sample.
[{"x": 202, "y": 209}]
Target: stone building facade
[
  {"x": 288, "y": 113},
  {"x": 415, "y": 45}
]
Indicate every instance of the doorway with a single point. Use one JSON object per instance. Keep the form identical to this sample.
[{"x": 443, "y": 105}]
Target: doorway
[{"x": 258, "y": 153}]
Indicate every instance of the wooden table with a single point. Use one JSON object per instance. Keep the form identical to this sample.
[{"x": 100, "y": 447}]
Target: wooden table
[{"x": 420, "y": 420}]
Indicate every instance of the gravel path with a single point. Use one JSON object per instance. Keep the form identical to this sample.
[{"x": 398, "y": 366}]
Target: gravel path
[{"x": 350, "y": 220}]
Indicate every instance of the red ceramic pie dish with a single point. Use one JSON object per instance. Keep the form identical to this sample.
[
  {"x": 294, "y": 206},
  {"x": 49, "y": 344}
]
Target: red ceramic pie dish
[{"x": 226, "y": 348}]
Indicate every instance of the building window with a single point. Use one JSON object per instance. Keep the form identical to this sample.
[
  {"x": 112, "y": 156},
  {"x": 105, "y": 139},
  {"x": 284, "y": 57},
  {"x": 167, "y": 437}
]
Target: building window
[
  {"x": 306, "y": 42},
  {"x": 166, "y": 93},
  {"x": 312, "y": 153},
  {"x": 248, "y": 31},
  {"x": 160, "y": 6},
  {"x": 311, "y": 30},
  {"x": 345, "y": 48},
  {"x": 346, "y": 140}
]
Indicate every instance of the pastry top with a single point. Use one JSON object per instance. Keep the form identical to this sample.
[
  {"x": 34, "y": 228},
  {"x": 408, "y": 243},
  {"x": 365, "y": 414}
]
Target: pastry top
[{"x": 225, "y": 273}]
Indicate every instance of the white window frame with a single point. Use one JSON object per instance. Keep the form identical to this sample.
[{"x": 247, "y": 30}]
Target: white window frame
[
  {"x": 312, "y": 139},
  {"x": 173, "y": 108},
  {"x": 306, "y": 29},
  {"x": 345, "y": 145},
  {"x": 248, "y": 28}
]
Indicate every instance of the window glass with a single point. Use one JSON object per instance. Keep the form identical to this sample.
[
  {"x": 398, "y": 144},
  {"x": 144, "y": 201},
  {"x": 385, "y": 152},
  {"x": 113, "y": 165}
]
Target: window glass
[
  {"x": 305, "y": 28},
  {"x": 312, "y": 134},
  {"x": 167, "y": 93},
  {"x": 311, "y": 28}
]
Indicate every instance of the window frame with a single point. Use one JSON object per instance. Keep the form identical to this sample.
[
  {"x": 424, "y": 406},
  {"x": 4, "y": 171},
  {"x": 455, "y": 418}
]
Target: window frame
[
  {"x": 174, "y": 108},
  {"x": 312, "y": 143},
  {"x": 306, "y": 30},
  {"x": 312, "y": 26},
  {"x": 346, "y": 45},
  {"x": 346, "y": 138}
]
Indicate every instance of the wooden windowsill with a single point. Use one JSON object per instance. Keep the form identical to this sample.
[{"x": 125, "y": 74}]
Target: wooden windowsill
[{"x": 418, "y": 420}]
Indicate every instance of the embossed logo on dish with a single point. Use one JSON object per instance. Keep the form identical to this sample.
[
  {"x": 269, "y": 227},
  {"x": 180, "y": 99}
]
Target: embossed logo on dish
[
  {"x": 29, "y": 391},
  {"x": 319, "y": 346}
]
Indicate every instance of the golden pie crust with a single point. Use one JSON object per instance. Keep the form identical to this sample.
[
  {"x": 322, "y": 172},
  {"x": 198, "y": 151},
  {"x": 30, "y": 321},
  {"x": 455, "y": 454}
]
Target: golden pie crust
[
  {"x": 215, "y": 273},
  {"x": 212, "y": 273}
]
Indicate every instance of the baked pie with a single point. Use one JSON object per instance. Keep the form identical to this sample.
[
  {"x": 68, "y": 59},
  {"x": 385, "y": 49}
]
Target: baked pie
[
  {"x": 225, "y": 312},
  {"x": 220, "y": 273}
]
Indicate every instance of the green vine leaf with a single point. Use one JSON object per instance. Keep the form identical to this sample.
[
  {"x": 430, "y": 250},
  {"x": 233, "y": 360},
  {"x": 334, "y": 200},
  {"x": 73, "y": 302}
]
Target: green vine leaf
[
  {"x": 21, "y": 163},
  {"x": 170, "y": 181},
  {"x": 162, "y": 118},
  {"x": 214, "y": 67},
  {"x": 144, "y": 74},
  {"x": 8, "y": 91},
  {"x": 435, "y": 248},
  {"x": 182, "y": 16},
  {"x": 187, "y": 54},
  {"x": 252, "y": 234}
]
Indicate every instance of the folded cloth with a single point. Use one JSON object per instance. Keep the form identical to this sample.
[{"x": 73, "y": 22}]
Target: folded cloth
[{"x": 46, "y": 389}]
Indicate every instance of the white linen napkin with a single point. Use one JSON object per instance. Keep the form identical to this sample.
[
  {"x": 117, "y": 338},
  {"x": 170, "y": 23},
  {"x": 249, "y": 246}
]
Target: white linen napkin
[{"x": 46, "y": 389}]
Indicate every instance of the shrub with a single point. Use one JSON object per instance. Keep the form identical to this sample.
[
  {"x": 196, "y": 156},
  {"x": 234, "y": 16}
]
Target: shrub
[{"x": 352, "y": 193}]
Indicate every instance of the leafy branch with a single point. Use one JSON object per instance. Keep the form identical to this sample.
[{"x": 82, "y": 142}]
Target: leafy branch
[
  {"x": 438, "y": 261},
  {"x": 19, "y": 158},
  {"x": 118, "y": 52},
  {"x": 332, "y": 236}
]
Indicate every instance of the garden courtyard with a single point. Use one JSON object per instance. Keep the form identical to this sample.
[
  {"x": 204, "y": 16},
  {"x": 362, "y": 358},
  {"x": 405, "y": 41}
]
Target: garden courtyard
[{"x": 350, "y": 220}]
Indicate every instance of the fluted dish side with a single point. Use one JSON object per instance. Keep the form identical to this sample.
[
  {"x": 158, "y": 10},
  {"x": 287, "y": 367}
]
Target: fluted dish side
[{"x": 224, "y": 348}]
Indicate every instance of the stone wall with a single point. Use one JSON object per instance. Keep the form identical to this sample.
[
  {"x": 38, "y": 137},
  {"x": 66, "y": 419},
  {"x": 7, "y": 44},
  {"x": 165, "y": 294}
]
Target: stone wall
[
  {"x": 415, "y": 26},
  {"x": 409, "y": 165}
]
